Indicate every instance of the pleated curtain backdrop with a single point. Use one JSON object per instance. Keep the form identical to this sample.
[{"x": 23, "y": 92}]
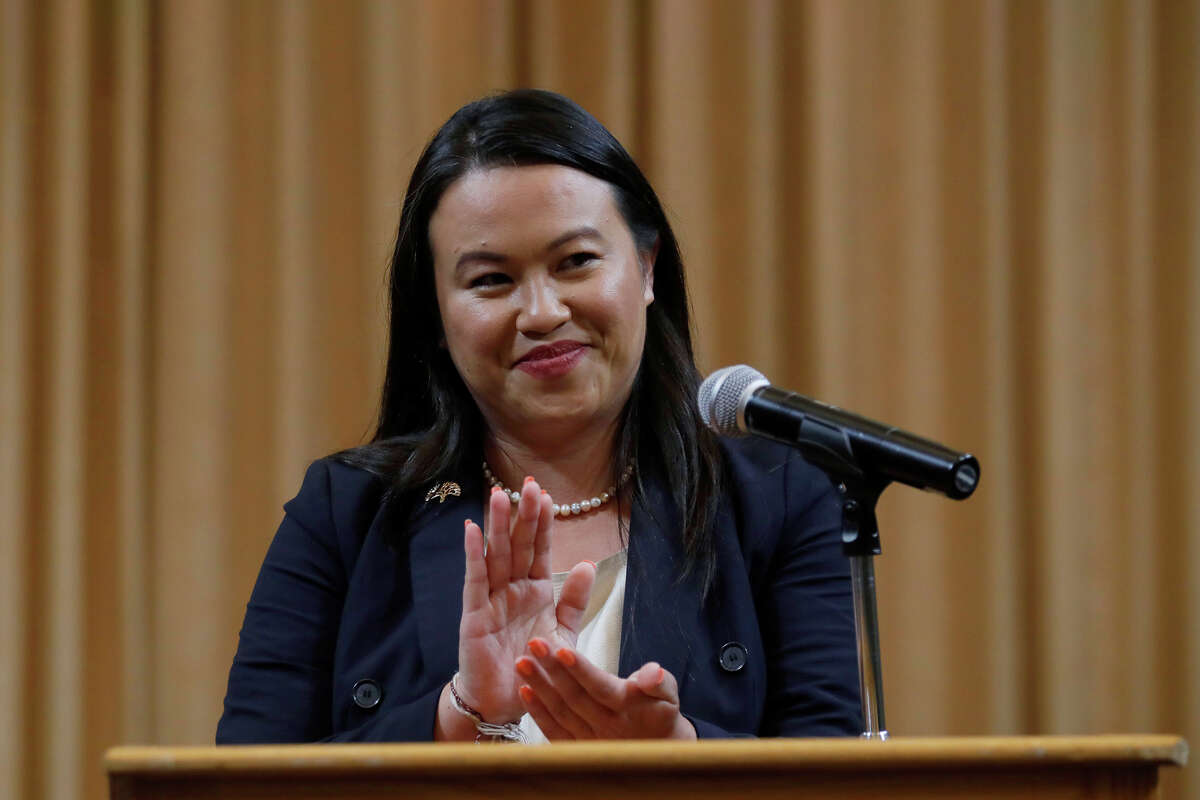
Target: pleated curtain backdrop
[{"x": 976, "y": 220}]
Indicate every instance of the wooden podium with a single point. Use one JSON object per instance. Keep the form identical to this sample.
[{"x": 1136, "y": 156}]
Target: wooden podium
[{"x": 975, "y": 767}]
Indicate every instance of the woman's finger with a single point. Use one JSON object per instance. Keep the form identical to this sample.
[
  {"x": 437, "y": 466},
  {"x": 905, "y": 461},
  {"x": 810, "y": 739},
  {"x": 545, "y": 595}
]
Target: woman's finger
[
  {"x": 524, "y": 530},
  {"x": 603, "y": 687},
  {"x": 654, "y": 681},
  {"x": 498, "y": 554},
  {"x": 564, "y": 714},
  {"x": 539, "y": 568},
  {"x": 545, "y": 722},
  {"x": 579, "y": 698},
  {"x": 576, "y": 591},
  {"x": 475, "y": 585}
]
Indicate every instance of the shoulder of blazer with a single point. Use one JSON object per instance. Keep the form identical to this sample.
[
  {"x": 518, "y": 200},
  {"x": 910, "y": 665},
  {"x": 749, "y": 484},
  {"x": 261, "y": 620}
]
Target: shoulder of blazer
[
  {"x": 337, "y": 504},
  {"x": 773, "y": 487},
  {"x": 762, "y": 463}
]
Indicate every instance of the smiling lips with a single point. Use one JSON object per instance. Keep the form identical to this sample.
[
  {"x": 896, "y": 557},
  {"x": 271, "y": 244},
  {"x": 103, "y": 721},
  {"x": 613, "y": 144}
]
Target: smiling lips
[{"x": 552, "y": 360}]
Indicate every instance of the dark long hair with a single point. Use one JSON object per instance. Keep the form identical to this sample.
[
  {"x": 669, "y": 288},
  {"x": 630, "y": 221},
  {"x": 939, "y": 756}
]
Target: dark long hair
[{"x": 429, "y": 426}]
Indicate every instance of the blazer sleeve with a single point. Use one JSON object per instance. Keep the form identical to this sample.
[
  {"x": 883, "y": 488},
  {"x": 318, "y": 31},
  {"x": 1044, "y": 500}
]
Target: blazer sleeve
[
  {"x": 280, "y": 684},
  {"x": 807, "y": 616}
]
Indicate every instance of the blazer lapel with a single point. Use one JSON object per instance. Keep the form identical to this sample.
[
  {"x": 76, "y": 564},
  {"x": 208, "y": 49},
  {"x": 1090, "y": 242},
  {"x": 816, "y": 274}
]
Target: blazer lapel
[
  {"x": 654, "y": 624},
  {"x": 438, "y": 568}
]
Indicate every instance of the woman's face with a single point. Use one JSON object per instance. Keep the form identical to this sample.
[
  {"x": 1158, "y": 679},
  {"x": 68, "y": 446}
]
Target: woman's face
[{"x": 542, "y": 294}]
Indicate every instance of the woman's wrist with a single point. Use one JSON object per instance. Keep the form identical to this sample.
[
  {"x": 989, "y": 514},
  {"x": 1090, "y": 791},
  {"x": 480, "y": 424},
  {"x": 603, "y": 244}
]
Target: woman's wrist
[
  {"x": 449, "y": 725},
  {"x": 459, "y": 722},
  {"x": 488, "y": 730}
]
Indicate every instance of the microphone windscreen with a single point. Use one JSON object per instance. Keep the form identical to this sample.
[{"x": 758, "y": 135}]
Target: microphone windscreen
[{"x": 720, "y": 396}]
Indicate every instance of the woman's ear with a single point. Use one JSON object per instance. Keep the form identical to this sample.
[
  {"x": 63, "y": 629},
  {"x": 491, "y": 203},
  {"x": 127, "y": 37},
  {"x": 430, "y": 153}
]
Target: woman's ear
[{"x": 648, "y": 259}]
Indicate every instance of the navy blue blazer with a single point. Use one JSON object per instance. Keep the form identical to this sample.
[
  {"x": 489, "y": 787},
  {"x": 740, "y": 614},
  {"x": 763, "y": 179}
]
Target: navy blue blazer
[{"x": 770, "y": 653}]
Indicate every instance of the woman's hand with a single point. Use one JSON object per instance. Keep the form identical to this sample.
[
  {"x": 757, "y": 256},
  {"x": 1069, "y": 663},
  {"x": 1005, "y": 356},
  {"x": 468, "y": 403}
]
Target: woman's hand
[
  {"x": 508, "y": 599},
  {"x": 571, "y": 698}
]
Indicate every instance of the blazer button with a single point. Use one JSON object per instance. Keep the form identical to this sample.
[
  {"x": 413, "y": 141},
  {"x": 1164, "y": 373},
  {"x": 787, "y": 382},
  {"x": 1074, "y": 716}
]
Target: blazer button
[
  {"x": 367, "y": 693},
  {"x": 733, "y": 656}
]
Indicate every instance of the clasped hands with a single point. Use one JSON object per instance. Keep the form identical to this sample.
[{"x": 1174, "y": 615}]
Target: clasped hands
[{"x": 516, "y": 650}]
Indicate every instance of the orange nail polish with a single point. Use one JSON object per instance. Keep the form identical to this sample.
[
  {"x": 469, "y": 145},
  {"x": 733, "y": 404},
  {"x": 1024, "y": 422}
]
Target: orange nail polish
[
  {"x": 496, "y": 489},
  {"x": 525, "y": 667},
  {"x": 593, "y": 563},
  {"x": 662, "y": 673},
  {"x": 566, "y": 657},
  {"x": 538, "y": 648},
  {"x": 467, "y": 524},
  {"x": 528, "y": 478},
  {"x": 526, "y": 694}
]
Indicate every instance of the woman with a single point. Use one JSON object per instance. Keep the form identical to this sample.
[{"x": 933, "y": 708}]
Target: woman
[{"x": 540, "y": 351}]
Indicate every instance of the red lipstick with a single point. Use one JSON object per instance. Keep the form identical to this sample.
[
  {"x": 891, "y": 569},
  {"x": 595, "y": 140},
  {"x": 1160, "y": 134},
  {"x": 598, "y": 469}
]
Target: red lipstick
[{"x": 552, "y": 360}]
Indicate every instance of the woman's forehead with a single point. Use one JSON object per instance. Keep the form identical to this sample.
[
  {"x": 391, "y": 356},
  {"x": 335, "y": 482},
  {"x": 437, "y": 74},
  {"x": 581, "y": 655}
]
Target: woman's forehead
[{"x": 509, "y": 205}]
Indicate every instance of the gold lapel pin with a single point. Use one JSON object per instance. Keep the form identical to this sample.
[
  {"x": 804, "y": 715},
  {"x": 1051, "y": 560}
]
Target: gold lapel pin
[{"x": 443, "y": 490}]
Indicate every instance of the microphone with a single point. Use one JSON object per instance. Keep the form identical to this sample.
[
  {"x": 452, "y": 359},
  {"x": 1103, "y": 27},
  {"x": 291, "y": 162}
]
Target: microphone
[{"x": 739, "y": 399}]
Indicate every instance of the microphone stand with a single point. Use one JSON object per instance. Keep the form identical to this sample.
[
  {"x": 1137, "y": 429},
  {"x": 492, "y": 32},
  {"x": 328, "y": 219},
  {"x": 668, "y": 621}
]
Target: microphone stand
[{"x": 860, "y": 543}]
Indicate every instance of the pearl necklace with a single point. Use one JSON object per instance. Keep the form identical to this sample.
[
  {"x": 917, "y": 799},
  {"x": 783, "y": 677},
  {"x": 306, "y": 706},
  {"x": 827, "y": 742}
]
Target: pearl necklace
[{"x": 566, "y": 509}]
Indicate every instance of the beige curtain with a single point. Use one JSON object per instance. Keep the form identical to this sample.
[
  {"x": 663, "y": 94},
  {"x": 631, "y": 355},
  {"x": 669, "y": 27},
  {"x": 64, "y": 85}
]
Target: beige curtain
[{"x": 977, "y": 220}]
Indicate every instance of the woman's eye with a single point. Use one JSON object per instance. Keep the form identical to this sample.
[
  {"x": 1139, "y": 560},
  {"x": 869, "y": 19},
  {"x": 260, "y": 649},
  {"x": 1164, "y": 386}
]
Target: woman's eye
[
  {"x": 581, "y": 259},
  {"x": 488, "y": 280}
]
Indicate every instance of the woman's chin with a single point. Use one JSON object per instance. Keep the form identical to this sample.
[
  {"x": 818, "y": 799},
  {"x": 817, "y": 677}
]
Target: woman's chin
[
  {"x": 563, "y": 415},
  {"x": 560, "y": 417}
]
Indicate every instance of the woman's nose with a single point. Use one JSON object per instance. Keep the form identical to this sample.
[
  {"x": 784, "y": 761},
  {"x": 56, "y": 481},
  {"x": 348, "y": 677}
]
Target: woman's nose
[{"x": 542, "y": 308}]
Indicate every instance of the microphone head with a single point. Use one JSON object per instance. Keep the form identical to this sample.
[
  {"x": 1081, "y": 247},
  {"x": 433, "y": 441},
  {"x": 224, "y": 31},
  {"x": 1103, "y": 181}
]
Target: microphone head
[{"x": 723, "y": 395}]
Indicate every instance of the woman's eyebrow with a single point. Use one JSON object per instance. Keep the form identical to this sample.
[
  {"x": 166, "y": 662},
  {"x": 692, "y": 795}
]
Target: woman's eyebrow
[
  {"x": 499, "y": 258},
  {"x": 574, "y": 233},
  {"x": 478, "y": 255}
]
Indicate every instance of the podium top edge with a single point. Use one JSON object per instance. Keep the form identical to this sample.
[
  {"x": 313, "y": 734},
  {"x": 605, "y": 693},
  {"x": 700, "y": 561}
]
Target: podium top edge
[{"x": 790, "y": 755}]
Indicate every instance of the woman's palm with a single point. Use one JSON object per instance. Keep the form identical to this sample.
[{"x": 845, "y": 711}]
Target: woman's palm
[{"x": 508, "y": 599}]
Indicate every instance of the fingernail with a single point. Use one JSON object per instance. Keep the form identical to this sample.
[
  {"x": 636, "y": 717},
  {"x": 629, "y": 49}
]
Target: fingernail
[
  {"x": 528, "y": 478},
  {"x": 525, "y": 667},
  {"x": 538, "y": 648},
  {"x": 566, "y": 657},
  {"x": 526, "y": 694},
  {"x": 544, "y": 491},
  {"x": 662, "y": 673},
  {"x": 496, "y": 489},
  {"x": 589, "y": 561},
  {"x": 467, "y": 524}
]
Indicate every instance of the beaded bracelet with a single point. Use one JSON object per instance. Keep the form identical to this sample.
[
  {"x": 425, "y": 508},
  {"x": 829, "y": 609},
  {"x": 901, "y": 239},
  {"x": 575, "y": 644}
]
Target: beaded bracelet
[{"x": 503, "y": 732}]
